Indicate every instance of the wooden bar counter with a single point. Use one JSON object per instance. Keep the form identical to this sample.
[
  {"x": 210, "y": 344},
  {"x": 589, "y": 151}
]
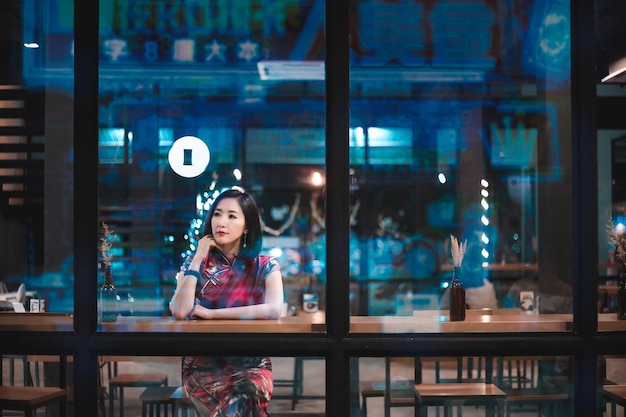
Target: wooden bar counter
[
  {"x": 438, "y": 322},
  {"x": 293, "y": 324},
  {"x": 305, "y": 323},
  {"x": 435, "y": 321}
]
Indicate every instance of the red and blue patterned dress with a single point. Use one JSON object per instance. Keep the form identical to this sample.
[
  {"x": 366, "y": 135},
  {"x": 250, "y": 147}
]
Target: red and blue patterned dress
[{"x": 233, "y": 386}]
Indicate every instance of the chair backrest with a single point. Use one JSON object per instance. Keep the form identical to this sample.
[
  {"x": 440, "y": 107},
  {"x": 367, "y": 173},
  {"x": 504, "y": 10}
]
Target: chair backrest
[
  {"x": 21, "y": 293},
  {"x": 3, "y": 287}
]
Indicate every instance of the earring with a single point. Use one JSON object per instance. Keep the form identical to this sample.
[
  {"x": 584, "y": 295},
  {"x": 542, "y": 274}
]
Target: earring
[{"x": 245, "y": 235}]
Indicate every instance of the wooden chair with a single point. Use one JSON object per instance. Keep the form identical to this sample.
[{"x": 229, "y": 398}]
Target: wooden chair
[
  {"x": 395, "y": 393},
  {"x": 29, "y": 399},
  {"x": 117, "y": 384},
  {"x": 296, "y": 384},
  {"x": 156, "y": 399},
  {"x": 527, "y": 389},
  {"x": 182, "y": 406}
]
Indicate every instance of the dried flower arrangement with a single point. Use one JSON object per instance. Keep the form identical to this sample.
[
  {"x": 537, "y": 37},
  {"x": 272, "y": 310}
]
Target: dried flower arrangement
[
  {"x": 106, "y": 243},
  {"x": 458, "y": 250},
  {"x": 617, "y": 237}
]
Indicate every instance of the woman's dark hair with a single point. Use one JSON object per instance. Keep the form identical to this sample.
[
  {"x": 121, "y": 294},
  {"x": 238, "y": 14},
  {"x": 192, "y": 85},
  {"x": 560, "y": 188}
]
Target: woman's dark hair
[{"x": 250, "y": 212}]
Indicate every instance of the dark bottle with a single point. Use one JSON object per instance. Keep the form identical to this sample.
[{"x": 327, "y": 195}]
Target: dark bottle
[
  {"x": 108, "y": 297},
  {"x": 457, "y": 297},
  {"x": 621, "y": 297}
]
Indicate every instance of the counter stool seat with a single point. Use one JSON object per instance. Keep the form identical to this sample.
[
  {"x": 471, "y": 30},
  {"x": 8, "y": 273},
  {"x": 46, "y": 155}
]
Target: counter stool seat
[
  {"x": 155, "y": 399},
  {"x": 121, "y": 381},
  {"x": 182, "y": 405},
  {"x": 29, "y": 399}
]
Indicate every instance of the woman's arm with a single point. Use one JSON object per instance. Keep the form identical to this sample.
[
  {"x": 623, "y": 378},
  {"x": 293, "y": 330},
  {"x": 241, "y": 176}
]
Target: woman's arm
[
  {"x": 271, "y": 309},
  {"x": 184, "y": 297}
]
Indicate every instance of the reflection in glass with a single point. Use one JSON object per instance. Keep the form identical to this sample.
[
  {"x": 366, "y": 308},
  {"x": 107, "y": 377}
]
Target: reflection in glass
[
  {"x": 438, "y": 148},
  {"x": 36, "y": 158},
  {"x": 196, "y": 99}
]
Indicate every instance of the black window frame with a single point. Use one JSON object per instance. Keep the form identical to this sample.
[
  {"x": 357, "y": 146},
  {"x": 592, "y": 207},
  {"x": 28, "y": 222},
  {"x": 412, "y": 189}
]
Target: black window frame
[{"x": 337, "y": 346}]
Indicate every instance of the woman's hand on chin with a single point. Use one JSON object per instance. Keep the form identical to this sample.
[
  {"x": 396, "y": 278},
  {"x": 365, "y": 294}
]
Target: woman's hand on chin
[{"x": 200, "y": 312}]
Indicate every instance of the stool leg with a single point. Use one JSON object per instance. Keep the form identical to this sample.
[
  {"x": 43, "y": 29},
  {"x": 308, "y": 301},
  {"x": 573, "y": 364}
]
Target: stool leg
[
  {"x": 111, "y": 405},
  {"x": 363, "y": 408},
  {"x": 121, "y": 402}
]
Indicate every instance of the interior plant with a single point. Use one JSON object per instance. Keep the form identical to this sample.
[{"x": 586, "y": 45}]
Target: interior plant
[
  {"x": 617, "y": 238},
  {"x": 457, "y": 290},
  {"x": 108, "y": 292}
]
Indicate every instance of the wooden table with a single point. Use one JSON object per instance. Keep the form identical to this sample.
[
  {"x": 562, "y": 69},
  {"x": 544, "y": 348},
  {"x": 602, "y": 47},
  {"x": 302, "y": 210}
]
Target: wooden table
[
  {"x": 608, "y": 322},
  {"x": 436, "y": 323},
  {"x": 29, "y": 399},
  {"x": 445, "y": 394},
  {"x": 616, "y": 394},
  {"x": 305, "y": 323},
  {"x": 498, "y": 321},
  {"x": 51, "y": 322}
]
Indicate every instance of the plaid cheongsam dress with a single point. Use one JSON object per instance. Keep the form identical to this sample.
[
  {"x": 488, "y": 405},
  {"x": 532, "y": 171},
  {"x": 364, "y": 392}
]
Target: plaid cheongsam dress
[{"x": 230, "y": 386}]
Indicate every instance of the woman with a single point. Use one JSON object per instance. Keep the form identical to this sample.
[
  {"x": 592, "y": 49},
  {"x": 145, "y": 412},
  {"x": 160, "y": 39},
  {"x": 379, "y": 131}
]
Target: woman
[{"x": 226, "y": 278}]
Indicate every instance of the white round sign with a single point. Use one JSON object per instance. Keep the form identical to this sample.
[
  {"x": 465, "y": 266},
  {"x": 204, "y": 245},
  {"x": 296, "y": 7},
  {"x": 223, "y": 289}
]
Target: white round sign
[{"x": 189, "y": 156}]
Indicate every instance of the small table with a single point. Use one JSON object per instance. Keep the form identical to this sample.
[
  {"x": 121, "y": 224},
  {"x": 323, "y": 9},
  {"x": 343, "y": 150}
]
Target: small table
[
  {"x": 616, "y": 394},
  {"x": 443, "y": 393},
  {"x": 29, "y": 399}
]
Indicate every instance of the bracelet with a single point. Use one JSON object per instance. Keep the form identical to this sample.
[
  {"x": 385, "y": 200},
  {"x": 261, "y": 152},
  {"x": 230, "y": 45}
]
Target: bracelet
[{"x": 193, "y": 273}]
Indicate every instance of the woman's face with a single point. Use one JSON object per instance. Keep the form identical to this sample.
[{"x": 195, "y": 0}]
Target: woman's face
[{"x": 228, "y": 223}]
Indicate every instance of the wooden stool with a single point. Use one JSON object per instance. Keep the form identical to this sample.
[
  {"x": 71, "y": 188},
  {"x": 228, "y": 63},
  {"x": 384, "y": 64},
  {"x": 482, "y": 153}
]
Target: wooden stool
[
  {"x": 29, "y": 399},
  {"x": 296, "y": 384},
  {"x": 182, "y": 405},
  {"x": 549, "y": 400},
  {"x": 616, "y": 395},
  {"x": 447, "y": 394},
  {"x": 154, "y": 399},
  {"x": 121, "y": 381},
  {"x": 401, "y": 392}
]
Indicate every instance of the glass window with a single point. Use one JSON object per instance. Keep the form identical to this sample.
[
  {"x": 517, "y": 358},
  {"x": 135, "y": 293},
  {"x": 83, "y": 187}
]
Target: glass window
[
  {"x": 295, "y": 383},
  {"x": 36, "y": 162},
  {"x": 520, "y": 384},
  {"x": 460, "y": 131},
  {"x": 196, "y": 99}
]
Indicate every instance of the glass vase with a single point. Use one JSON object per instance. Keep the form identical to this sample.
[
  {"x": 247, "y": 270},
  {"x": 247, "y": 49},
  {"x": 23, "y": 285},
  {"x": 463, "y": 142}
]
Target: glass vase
[
  {"x": 621, "y": 296},
  {"x": 457, "y": 297},
  {"x": 108, "y": 297}
]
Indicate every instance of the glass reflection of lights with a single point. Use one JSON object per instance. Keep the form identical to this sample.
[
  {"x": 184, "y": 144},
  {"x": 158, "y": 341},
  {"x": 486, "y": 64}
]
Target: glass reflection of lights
[
  {"x": 442, "y": 178},
  {"x": 484, "y": 238},
  {"x": 317, "y": 179},
  {"x": 237, "y": 174},
  {"x": 484, "y": 183},
  {"x": 484, "y": 220},
  {"x": 276, "y": 252}
]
